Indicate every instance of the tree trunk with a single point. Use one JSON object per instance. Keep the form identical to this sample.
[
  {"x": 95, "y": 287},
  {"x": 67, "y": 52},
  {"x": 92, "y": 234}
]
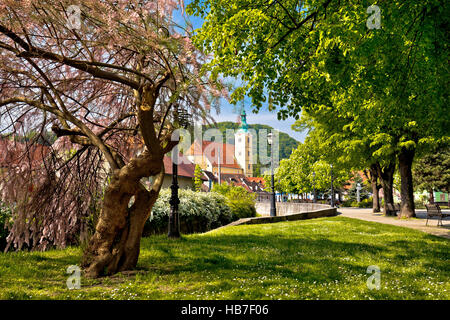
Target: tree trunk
[
  {"x": 405, "y": 159},
  {"x": 386, "y": 175},
  {"x": 431, "y": 196},
  {"x": 375, "y": 188},
  {"x": 115, "y": 245}
]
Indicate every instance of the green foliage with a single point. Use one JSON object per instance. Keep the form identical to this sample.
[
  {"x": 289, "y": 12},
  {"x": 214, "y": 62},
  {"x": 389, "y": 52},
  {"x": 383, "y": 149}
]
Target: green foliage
[
  {"x": 366, "y": 203},
  {"x": 363, "y": 193},
  {"x": 199, "y": 212},
  {"x": 240, "y": 201},
  {"x": 5, "y": 217},
  {"x": 432, "y": 170},
  {"x": 315, "y": 154},
  {"x": 198, "y": 173},
  {"x": 374, "y": 92},
  {"x": 324, "y": 258}
]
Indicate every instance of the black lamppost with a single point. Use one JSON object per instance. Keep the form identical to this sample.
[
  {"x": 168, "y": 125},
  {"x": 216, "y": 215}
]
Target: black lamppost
[
  {"x": 273, "y": 208},
  {"x": 314, "y": 186},
  {"x": 182, "y": 117},
  {"x": 332, "y": 190},
  {"x": 174, "y": 216}
]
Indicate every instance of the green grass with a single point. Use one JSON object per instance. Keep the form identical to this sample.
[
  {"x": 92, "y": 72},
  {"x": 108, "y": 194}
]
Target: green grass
[{"x": 323, "y": 258}]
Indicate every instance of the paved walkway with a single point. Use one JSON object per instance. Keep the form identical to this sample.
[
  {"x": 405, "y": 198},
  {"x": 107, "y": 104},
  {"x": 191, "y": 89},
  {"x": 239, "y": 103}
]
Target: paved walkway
[{"x": 415, "y": 223}]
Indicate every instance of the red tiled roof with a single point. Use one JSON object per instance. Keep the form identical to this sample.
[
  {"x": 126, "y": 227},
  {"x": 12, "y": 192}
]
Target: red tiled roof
[
  {"x": 257, "y": 180},
  {"x": 243, "y": 181},
  {"x": 211, "y": 150},
  {"x": 185, "y": 167}
]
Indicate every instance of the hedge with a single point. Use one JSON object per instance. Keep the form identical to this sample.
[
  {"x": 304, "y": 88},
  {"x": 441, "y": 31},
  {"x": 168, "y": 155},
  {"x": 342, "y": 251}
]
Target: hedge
[{"x": 199, "y": 212}]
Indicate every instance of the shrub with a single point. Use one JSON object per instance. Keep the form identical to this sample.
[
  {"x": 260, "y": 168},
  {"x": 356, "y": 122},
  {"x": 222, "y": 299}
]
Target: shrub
[
  {"x": 347, "y": 203},
  {"x": 5, "y": 216},
  {"x": 240, "y": 201},
  {"x": 199, "y": 212},
  {"x": 419, "y": 204},
  {"x": 366, "y": 203}
]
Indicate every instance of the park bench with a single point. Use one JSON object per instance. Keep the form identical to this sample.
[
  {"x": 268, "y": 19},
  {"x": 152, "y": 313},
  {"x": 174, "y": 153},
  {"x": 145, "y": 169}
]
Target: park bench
[
  {"x": 393, "y": 208},
  {"x": 433, "y": 210}
]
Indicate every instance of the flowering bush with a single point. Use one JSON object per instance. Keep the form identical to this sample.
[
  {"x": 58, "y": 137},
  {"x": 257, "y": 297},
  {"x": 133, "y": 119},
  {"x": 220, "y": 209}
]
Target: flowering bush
[
  {"x": 240, "y": 201},
  {"x": 199, "y": 212}
]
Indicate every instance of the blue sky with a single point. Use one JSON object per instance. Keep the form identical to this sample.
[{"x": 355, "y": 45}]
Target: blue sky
[{"x": 228, "y": 112}]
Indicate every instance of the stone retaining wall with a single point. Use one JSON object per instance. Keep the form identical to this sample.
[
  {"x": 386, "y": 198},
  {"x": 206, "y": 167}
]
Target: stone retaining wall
[
  {"x": 288, "y": 208},
  {"x": 318, "y": 213}
]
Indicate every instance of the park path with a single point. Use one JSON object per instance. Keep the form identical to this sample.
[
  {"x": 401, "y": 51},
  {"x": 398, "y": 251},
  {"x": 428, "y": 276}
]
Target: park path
[{"x": 415, "y": 223}]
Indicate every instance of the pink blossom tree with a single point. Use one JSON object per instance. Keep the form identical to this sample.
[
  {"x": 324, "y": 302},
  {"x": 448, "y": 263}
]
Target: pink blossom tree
[{"x": 111, "y": 79}]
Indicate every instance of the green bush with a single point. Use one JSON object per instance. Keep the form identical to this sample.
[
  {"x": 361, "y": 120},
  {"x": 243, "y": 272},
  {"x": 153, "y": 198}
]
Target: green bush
[
  {"x": 199, "y": 212},
  {"x": 240, "y": 201},
  {"x": 5, "y": 216},
  {"x": 347, "y": 203},
  {"x": 419, "y": 204},
  {"x": 366, "y": 203}
]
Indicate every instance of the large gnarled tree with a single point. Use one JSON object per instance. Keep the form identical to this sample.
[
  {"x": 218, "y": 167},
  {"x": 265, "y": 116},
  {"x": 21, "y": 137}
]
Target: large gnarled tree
[{"x": 111, "y": 79}]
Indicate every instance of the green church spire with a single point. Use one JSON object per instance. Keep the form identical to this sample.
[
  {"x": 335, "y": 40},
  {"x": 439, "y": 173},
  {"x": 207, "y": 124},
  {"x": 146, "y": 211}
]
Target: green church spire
[{"x": 244, "y": 125}]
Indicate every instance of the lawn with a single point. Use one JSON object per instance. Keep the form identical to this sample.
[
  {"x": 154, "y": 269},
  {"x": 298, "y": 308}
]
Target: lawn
[{"x": 324, "y": 258}]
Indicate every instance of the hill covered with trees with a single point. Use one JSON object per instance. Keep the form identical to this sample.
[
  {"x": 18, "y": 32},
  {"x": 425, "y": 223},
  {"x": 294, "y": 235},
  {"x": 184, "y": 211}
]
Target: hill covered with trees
[{"x": 286, "y": 142}]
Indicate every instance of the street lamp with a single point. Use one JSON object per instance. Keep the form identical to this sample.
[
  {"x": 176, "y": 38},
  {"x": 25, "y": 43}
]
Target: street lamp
[
  {"x": 314, "y": 186},
  {"x": 182, "y": 117},
  {"x": 273, "y": 209},
  {"x": 358, "y": 188},
  {"x": 332, "y": 190},
  {"x": 174, "y": 216}
]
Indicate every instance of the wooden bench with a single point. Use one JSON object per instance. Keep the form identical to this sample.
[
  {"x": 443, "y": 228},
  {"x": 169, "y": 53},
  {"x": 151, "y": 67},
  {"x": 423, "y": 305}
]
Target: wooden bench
[
  {"x": 433, "y": 210},
  {"x": 393, "y": 208}
]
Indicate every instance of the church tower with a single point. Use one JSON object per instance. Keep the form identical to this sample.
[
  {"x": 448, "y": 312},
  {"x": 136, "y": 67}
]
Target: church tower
[{"x": 243, "y": 142}]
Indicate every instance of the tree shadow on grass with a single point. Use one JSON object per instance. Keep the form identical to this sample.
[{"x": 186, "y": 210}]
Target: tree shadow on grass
[
  {"x": 294, "y": 257},
  {"x": 254, "y": 252}
]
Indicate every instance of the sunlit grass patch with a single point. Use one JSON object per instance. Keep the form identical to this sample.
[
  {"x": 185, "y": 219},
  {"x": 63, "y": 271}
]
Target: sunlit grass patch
[{"x": 323, "y": 258}]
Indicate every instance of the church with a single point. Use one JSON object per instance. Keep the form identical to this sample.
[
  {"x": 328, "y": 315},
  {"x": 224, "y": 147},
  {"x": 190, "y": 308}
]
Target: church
[
  {"x": 224, "y": 158},
  {"x": 224, "y": 162}
]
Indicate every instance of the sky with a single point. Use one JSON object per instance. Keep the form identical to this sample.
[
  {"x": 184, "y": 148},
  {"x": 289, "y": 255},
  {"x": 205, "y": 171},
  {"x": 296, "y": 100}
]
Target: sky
[{"x": 229, "y": 112}]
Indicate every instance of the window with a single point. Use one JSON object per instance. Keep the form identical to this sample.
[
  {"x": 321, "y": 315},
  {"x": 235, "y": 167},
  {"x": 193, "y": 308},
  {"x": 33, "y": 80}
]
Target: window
[{"x": 239, "y": 140}]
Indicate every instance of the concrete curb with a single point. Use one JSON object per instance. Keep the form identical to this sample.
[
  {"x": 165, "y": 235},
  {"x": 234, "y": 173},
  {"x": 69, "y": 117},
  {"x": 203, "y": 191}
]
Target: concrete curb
[{"x": 329, "y": 212}]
